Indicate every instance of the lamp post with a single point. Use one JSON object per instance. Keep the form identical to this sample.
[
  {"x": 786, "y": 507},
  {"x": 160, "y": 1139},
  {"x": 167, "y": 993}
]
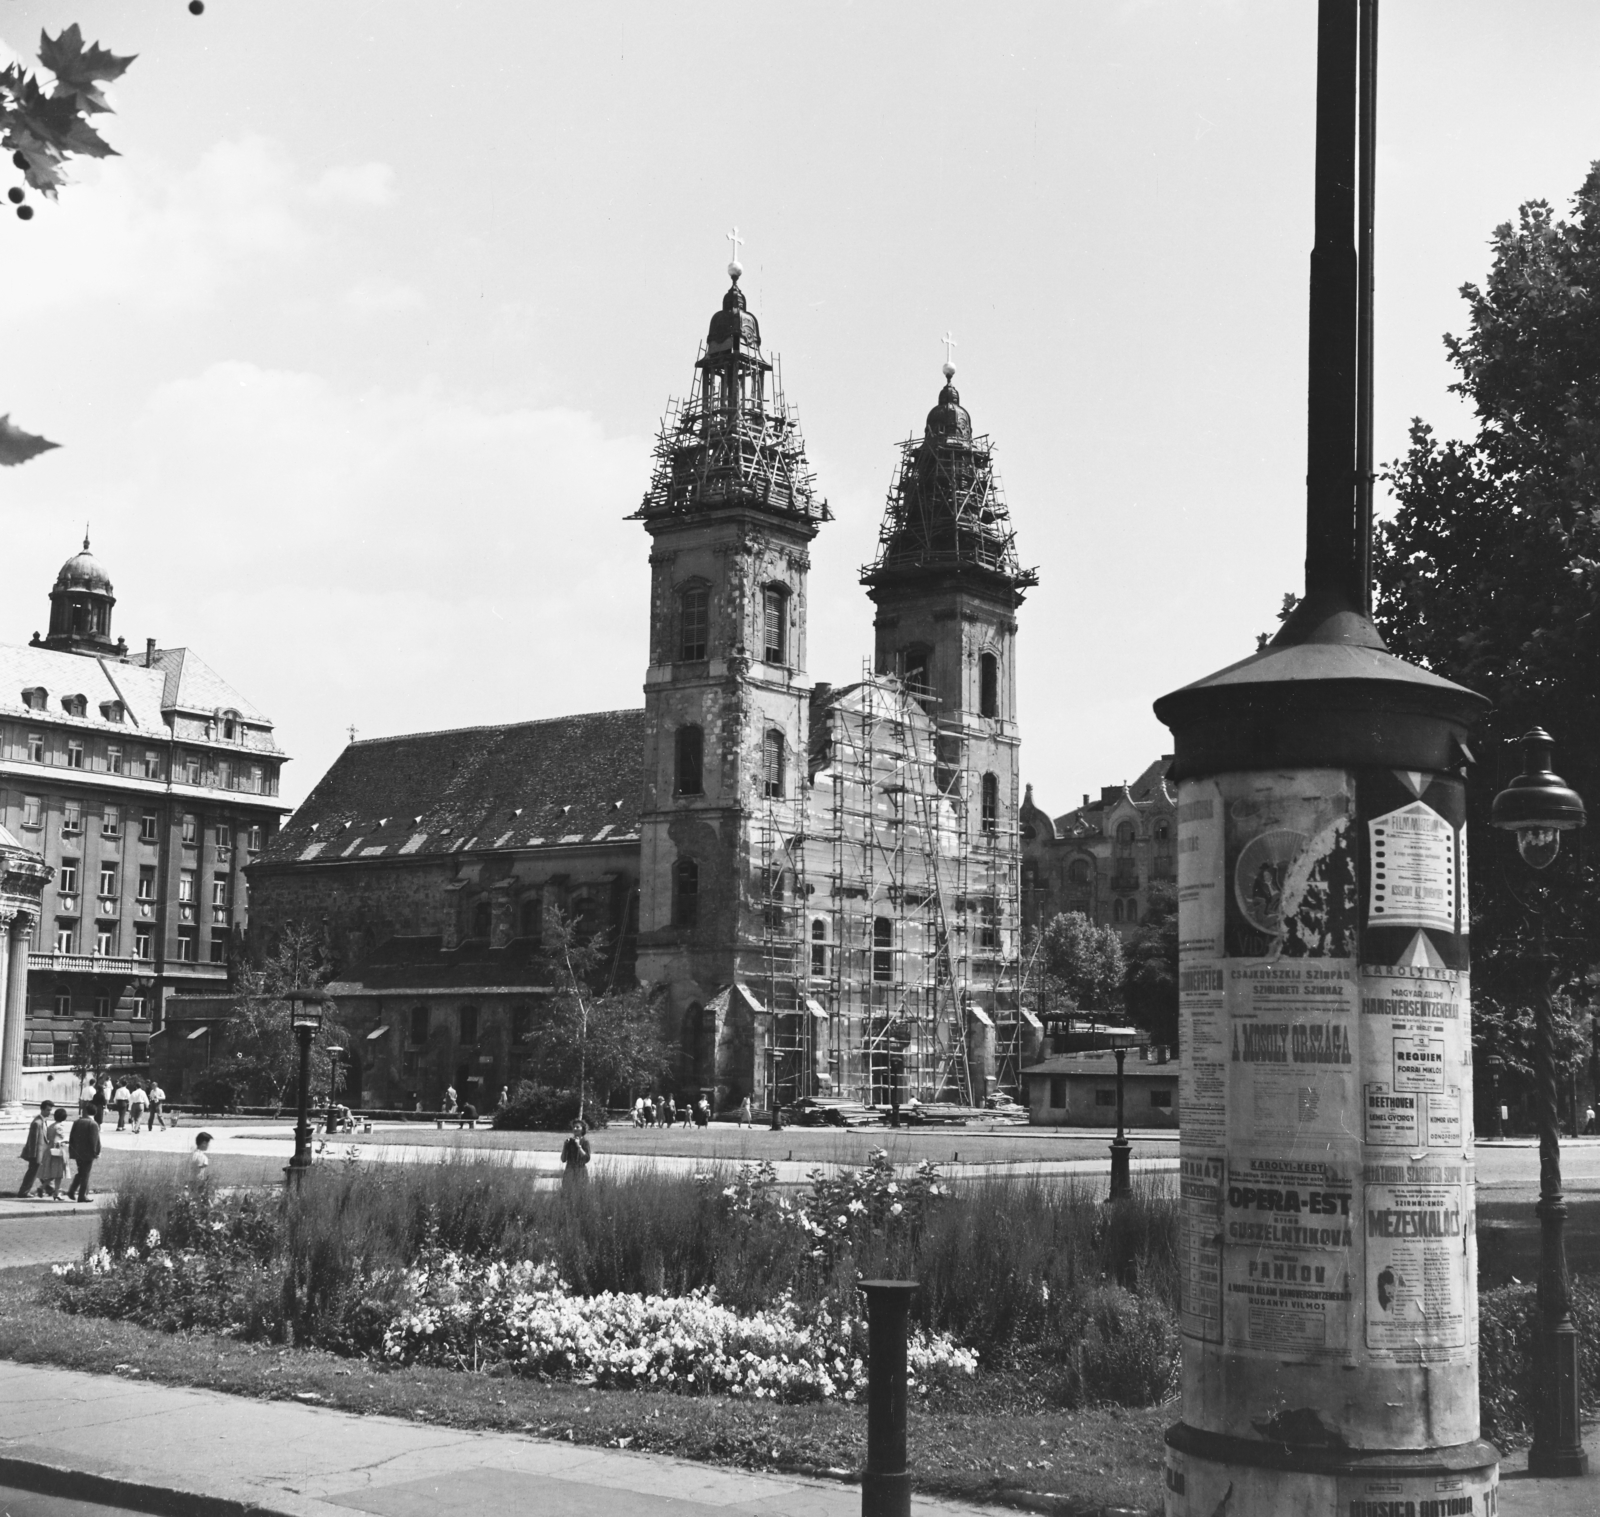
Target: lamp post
[
  {"x": 1121, "y": 1183},
  {"x": 1497, "y": 1123},
  {"x": 305, "y": 1017},
  {"x": 1538, "y": 807}
]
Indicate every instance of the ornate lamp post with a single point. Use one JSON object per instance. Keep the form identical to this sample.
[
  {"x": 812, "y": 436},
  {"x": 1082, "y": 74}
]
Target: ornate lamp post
[
  {"x": 1538, "y": 806},
  {"x": 305, "y": 1016},
  {"x": 1121, "y": 1149}
]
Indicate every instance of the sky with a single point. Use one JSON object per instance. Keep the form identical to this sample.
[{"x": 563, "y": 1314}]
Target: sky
[{"x": 357, "y": 352}]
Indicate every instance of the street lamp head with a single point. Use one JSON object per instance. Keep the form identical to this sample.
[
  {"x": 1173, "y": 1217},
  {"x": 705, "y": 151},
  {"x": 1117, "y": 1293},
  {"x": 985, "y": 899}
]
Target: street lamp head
[
  {"x": 1538, "y": 805},
  {"x": 305, "y": 1007}
]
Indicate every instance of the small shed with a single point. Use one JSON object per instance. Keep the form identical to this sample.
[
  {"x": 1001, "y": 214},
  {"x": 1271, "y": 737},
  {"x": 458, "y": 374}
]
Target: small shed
[{"x": 1080, "y": 1090}]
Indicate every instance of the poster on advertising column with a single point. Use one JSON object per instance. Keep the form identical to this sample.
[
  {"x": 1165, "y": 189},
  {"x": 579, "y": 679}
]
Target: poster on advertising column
[
  {"x": 1416, "y": 1071},
  {"x": 1200, "y": 1192},
  {"x": 1415, "y": 1219},
  {"x": 1202, "y": 1002}
]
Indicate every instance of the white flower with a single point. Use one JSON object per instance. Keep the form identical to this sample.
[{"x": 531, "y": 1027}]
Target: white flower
[{"x": 896, "y": 1209}]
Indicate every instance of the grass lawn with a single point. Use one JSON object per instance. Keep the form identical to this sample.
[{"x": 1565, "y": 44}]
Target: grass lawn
[{"x": 1046, "y": 1460}]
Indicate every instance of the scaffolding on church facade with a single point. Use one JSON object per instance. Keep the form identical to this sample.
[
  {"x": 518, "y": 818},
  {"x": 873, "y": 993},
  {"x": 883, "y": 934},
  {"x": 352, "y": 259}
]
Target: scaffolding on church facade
[{"x": 884, "y": 915}]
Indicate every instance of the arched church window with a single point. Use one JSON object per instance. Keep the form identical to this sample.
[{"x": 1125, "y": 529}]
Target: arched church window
[
  {"x": 775, "y": 624},
  {"x": 882, "y": 949},
  {"x": 482, "y": 918},
  {"x": 914, "y": 670},
  {"x": 772, "y": 750},
  {"x": 685, "y": 893},
  {"x": 691, "y": 761},
  {"x": 1078, "y": 871},
  {"x": 1116, "y": 910},
  {"x": 990, "y": 812},
  {"x": 694, "y": 622},
  {"x": 988, "y": 685},
  {"x": 819, "y": 947},
  {"x": 533, "y": 917}
]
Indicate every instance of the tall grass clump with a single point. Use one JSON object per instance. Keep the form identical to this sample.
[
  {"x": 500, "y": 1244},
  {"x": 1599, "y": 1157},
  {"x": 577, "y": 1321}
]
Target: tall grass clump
[{"x": 1027, "y": 1272}]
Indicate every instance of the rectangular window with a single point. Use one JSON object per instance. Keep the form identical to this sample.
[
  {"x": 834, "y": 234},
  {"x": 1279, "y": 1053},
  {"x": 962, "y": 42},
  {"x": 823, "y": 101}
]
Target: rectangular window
[
  {"x": 36, "y": 747},
  {"x": 147, "y": 882},
  {"x": 141, "y": 942},
  {"x": 67, "y": 877},
  {"x": 1162, "y": 1099},
  {"x": 103, "y": 1008},
  {"x": 521, "y": 1023},
  {"x": 188, "y": 945},
  {"x": 152, "y": 764},
  {"x": 33, "y": 811},
  {"x": 66, "y": 935},
  {"x": 691, "y": 760},
  {"x": 256, "y": 837},
  {"x": 63, "y": 1003},
  {"x": 419, "y": 1024},
  {"x": 1104, "y": 1097},
  {"x": 219, "y": 900},
  {"x": 1058, "y": 1092},
  {"x": 693, "y": 622},
  {"x": 148, "y": 823},
  {"x": 63, "y": 1051},
  {"x": 772, "y": 752},
  {"x": 191, "y": 828},
  {"x": 186, "y": 885},
  {"x": 71, "y": 818},
  {"x": 141, "y": 1008},
  {"x": 191, "y": 768},
  {"x": 108, "y": 879},
  {"x": 469, "y": 1024},
  {"x": 219, "y": 948},
  {"x": 105, "y": 939},
  {"x": 222, "y": 838},
  {"x": 255, "y": 778},
  {"x": 113, "y": 759},
  {"x": 111, "y": 822},
  {"x": 74, "y": 753},
  {"x": 775, "y": 622}
]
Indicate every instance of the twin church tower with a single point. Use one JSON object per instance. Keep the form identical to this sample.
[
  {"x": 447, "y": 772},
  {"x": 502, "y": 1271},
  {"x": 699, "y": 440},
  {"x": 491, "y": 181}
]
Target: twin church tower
[{"x": 822, "y": 880}]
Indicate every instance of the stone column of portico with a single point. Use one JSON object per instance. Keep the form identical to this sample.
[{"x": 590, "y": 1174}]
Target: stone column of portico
[{"x": 14, "y": 931}]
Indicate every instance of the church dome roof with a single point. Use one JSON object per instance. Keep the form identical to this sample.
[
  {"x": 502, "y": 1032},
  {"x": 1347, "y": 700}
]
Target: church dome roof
[
  {"x": 949, "y": 417},
  {"x": 83, "y": 572},
  {"x": 734, "y": 321}
]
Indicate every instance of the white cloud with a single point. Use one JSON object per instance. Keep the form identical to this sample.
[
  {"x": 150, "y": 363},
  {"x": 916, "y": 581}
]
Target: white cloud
[
  {"x": 355, "y": 184},
  {"x": 377, "y": 295},
  {"x": 151, "y": 237}
]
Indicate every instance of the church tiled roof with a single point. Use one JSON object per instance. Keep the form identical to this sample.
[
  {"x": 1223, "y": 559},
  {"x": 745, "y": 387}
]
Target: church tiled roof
[{"x": 564, "y": 781}]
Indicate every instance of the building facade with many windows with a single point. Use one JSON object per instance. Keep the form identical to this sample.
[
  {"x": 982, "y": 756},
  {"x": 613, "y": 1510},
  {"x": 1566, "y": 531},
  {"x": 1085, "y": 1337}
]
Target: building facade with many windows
[{"x": 146, "y": 783}]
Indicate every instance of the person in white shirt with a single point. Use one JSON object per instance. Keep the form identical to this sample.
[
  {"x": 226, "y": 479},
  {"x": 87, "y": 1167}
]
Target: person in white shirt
[
  {"x": 157, "y": 1097},
  {"x": 136, "y": 1099},
  {"x": 119, "y": 1099},
  {"x": 200, "y": 1161}
]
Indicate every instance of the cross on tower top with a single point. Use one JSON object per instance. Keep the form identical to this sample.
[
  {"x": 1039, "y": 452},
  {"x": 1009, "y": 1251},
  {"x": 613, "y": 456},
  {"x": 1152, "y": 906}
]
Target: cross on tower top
[
  {"x": 949, "y": 355},
  {"x": 352, "y": 732},
  {"x": 735, "y": 242}
]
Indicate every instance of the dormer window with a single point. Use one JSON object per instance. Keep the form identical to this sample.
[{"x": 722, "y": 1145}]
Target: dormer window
[
  {"x": 230, "y": 726},
  {"x": 36, "y": 698},
  {"x": 112, "y": 711},
  {"x": 75, "y": 705}
]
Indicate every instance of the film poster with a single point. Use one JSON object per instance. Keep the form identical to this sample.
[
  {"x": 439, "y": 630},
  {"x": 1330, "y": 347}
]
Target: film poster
[
  {"x": 1291, "y": 992},
  {"x": 1201, "y": 1184}
]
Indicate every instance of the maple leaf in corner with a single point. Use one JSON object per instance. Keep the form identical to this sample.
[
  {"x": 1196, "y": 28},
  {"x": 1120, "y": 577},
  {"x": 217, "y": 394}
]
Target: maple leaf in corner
[
  {"x": 17, "y": 446},
  {"x": 80, "y": 70}
]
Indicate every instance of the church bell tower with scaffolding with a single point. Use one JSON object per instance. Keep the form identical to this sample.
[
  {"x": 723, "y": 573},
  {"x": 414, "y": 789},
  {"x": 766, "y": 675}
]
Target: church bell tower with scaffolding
[
  {"x": 731, "y": 511},
  {"x": 947, "y": 585}
]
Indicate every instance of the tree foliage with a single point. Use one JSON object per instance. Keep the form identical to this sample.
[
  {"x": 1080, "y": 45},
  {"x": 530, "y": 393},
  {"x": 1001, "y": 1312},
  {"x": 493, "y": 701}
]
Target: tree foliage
[
  {"x": 1081, "y": 965},
  {"x": 1151, "y": 987},
  {"x": 1489, "y": 571},
  {"x": 257, "y": 1058},
  {"x": 91, "y": 1050}
]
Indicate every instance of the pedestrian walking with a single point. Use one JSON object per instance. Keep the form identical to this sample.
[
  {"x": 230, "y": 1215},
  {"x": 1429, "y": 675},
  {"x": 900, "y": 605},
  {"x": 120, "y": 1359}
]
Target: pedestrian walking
[
  {"x": 672, "y": 1112},
  {"x": 638, "y": 1111},
  {"x": 649, "y": 1111},
  {"x": 119, "y": 1099},
  {"x": 83, "y": 1148},
  {"x": 158, "y": 1098},
  {"x": 200, "y": 1162},
  {"x": 53, "y": 1166},
  {"x": 747, "y": 1117},
  {"x": 33, "y": 1148},
  {"x": 575, "y": 1156},
  {"x": 702, "y": 1112},
  {"x": 505, "y": 1098},
  {"x": 136, "y": 1105},
  {"x": 102, "y": 1094},
  {"x": 449, "y": 1099},
  {"x": 1589, "y": 1119}
]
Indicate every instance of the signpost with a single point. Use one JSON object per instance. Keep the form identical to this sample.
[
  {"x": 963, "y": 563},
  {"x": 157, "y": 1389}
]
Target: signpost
[{"x": 1328, "y": 1253}]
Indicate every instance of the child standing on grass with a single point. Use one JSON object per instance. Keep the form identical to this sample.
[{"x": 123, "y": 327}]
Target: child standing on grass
[
  {"x": 200, "y": 1162},
  {"x": 575, "y": 1156}
]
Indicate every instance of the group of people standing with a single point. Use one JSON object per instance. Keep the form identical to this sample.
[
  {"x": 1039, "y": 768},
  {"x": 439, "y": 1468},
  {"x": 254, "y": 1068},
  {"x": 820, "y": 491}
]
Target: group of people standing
[
  {"x": 664, "y": 1111},
  {"x": 51, "y": 1141}
]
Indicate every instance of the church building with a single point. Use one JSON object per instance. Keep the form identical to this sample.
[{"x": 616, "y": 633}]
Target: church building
[{"x": 823, "y": 880}]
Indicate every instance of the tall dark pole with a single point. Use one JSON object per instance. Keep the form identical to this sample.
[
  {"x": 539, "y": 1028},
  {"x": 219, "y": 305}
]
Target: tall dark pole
[
  {"x": 1367, "y": 150},
  {"x": 302, "y": 1132},
  {"x": 1557, "y": 1439},
  {"x": 1121, "y": 1149},
  {"x": 886, "y": 1483}
]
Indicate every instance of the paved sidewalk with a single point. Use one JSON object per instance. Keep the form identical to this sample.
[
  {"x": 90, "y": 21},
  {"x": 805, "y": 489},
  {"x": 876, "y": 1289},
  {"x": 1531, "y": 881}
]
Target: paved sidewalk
[{"x": 123, "y": 1442}]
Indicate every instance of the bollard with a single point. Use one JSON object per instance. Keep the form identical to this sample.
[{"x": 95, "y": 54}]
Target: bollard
[{"x": 886, "y": 1482}]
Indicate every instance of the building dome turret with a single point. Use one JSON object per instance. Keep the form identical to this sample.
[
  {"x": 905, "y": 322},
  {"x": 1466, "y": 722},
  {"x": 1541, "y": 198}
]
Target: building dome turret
[
  {"x": 80, "y": 608},
  {"x": 949, "y": 418},
  {"x": 733, "y": 324}
]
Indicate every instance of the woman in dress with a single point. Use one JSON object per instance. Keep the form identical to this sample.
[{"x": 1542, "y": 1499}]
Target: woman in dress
[
  {"x": 575, "y": 1156},
  {"x": 54, "y": 1169}
]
